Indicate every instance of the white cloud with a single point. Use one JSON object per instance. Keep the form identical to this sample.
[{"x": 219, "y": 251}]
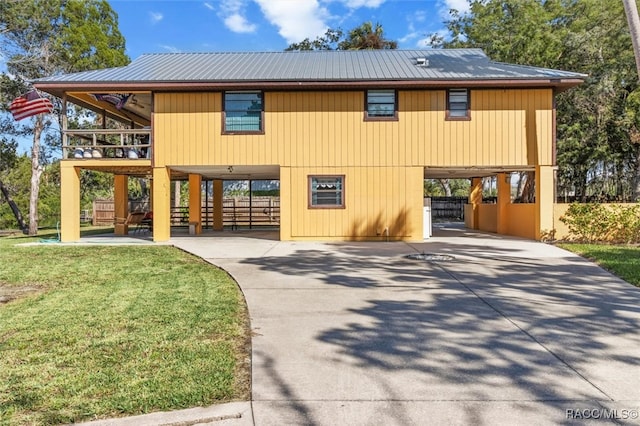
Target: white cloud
[
  {"x": 355, "y": 4},
  {"x": 238, "y": 24},
  {"x": 420, "y": 16},
  {"x": 296, "y": 20},
  {"x": 411, "y": 34},
  {"x": 423, "y": 43},
  {"x": 461, "y": 6},
  {"x": 171, "y": 49},
  {"x": 232, "y": 14},
  {"x": 417, "y": 24},
  {"x": 155, "y": 17},
  {"x": 208, "y": 6}
]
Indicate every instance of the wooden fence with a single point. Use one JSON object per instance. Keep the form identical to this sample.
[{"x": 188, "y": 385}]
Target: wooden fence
[
  {"x": 103, "y": 210},
  {"x": 236, "y": 211},
  {"x": 451, "y": 208}
]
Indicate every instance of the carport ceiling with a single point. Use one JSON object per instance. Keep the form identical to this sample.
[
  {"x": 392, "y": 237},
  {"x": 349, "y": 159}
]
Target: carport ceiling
[
  {"x": 229, "y": 172},
  {"x": 470, "y": 172}
]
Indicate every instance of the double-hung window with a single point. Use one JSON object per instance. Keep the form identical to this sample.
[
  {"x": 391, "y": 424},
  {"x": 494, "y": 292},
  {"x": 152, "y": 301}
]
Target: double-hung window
[
  {"x": 243, "y": 112},
  {"x": 381, "y": 105},
  {"x": 326, "y": 191},
  {"x": 458, "y": 104}
]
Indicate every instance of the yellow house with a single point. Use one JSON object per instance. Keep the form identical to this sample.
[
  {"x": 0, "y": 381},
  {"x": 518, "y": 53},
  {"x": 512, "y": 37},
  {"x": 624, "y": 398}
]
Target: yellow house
[{"x": 350, "y": 135}]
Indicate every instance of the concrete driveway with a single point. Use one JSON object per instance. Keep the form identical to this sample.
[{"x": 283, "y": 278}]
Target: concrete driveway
[{"x": 506, "y": 331}]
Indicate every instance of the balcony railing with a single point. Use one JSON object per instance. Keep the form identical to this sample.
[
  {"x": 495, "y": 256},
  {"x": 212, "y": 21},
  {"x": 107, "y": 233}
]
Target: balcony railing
[{"x": 107, "y": 143}]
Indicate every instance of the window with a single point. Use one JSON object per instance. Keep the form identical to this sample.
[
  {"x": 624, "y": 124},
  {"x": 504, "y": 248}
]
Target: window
[
  {"x": 243, "y": 112},
  {"x": 381, "y": 105},
  {"x": 326, "y": 191},
  {"x": 458, "y": 104}
]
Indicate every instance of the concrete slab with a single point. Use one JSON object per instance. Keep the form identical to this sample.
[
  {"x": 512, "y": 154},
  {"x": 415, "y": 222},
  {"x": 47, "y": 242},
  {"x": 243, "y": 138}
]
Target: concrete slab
[
  {"x": 231, "y": 414},
  {"x": 418, "y": 413},
  {"x": 508, "y": 331}
]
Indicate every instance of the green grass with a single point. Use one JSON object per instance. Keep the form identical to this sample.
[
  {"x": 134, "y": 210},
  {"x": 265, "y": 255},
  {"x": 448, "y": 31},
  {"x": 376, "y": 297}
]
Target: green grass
[
  {"x": 623, "y": 261},
  {"x": 113, "y": 331}
]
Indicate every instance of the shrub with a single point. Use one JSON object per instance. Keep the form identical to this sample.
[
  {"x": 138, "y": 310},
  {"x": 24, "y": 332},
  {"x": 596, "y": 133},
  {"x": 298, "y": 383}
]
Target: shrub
[{"x": 593, "y": 222}]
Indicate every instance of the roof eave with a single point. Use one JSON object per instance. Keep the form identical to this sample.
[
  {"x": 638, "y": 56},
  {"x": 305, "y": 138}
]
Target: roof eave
[{"x": 59, "y": 88}]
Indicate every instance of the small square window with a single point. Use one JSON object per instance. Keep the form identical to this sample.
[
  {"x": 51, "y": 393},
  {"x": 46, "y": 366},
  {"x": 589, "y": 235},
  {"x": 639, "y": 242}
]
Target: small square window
[
  {"x": 326, "y": 191},
  {"x": 381, "y": 105},
  {"x": 458, "y": 104},
  {"x": 243, "y": 112}
]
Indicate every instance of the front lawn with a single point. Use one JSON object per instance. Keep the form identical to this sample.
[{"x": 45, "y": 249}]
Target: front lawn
[
  {"x": 623, "y": 261},
  {"x": 106, "y": 331}
]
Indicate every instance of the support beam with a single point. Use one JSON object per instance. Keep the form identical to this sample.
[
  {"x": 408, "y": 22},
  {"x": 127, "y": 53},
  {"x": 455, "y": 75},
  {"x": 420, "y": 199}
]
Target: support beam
[
  {"x": 285, "y": 204},
  {"x": 545, "y": 196},
  {"x": 195, "y": 202},
  {"x": 161, "y": 204},
  {"x": 218, "y": 220},
  {"x": 70, "y": 208},
  {"x": 121, "y": 202},
  {"x": 504, "y": 199},
  {"x": 475, "y": 199}
]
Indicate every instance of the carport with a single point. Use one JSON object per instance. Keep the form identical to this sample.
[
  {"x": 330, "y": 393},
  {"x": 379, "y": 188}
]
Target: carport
[{"x": 504, "y": 216}]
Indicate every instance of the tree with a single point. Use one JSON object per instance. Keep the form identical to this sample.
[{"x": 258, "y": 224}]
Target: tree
[
  {"x": 446, "y": 187},
  {"x": 329, "y": 41},
  {"x": 596, "y": 153},
  {"x": 8, "y": 160},
  {"x": 46, "y": 37},
  {"x": 363, "y": 37},
  {"x": 631, "y": 10}
]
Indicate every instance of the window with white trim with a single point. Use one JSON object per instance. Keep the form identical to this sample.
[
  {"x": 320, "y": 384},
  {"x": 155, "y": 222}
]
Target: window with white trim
[{"x": 326, "y": 191}]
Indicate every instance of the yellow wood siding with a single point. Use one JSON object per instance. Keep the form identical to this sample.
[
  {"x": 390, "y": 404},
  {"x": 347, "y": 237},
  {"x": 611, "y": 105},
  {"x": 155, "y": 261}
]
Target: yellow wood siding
[
  {"x": 376, "y": 199},
  {"x": 325, "y": 129},
  {"x": 521, "y": 220},
  {"x": 324, "y": 133}
]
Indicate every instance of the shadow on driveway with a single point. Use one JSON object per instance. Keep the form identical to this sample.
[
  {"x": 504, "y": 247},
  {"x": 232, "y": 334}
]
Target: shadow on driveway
[{"x": 358, "y": 333}]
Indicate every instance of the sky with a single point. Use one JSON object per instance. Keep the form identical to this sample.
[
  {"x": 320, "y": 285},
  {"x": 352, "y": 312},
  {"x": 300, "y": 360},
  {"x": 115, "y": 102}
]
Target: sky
[{"x": 162, "y": 26}]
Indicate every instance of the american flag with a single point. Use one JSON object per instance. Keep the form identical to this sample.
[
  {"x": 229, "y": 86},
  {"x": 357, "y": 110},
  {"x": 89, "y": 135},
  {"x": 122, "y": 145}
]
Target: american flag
[
  {"x": 30, "y": 104},
  {"x": 113, "y": 98}
]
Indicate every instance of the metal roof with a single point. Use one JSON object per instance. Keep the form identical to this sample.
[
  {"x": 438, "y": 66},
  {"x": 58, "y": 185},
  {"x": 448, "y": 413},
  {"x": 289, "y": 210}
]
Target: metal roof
[{"x": 312, "y": 66}]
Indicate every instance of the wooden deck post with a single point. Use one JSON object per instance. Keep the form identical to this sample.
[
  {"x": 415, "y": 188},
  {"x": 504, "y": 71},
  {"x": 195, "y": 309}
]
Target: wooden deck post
[
  {"x": 545, "y": 197},
  {"x": 218, "y": 222},
  {"x": 475, "y": 199},
  {"x": 70, "y": 208},
  {"x": 121, "y": 202},
  {"x": 504, "y": 199},
  {"x": 161, "y": 204},
  {"x": 195, "y": 203}
]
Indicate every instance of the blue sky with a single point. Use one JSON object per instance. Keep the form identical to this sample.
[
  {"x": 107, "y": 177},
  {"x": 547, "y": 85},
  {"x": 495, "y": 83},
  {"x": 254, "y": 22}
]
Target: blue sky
[{"x": 157, "y": 26}]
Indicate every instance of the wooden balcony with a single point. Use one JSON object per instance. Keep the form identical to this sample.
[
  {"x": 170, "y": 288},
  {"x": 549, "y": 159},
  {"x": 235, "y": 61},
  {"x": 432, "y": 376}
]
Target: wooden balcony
[{"x": 107, "y": 144}]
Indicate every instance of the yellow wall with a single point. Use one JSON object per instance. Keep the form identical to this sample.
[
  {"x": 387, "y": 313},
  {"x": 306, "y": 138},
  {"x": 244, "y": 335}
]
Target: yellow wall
[
  {"x": 521, "y": 220},
  {"x": 375, "y": 200},
  {"x": 469, "y": 218},
  {"x": 561, "y": 230},
  {"x": 315, "y": 133},
  {"x": 326, "y": 129},
  {"x": 488, "y": 217}
]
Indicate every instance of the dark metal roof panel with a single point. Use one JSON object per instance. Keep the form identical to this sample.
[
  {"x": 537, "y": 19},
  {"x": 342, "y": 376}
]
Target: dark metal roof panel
[{"x": 372, "y": 65}]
